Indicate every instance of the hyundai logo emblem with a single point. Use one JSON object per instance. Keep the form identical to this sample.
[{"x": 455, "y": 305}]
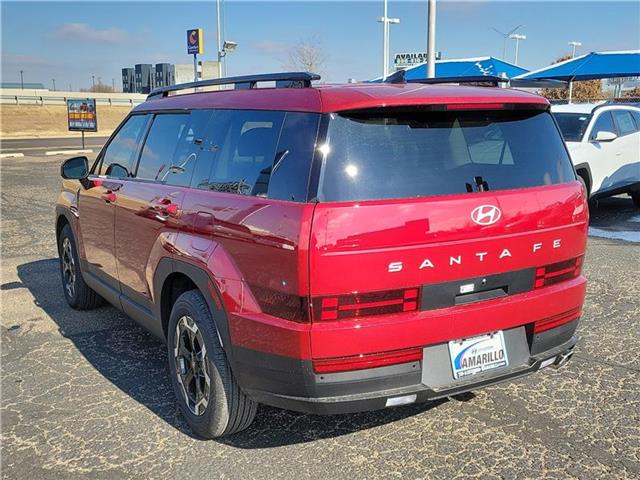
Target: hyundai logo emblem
[{"x": 486, "y": 214}]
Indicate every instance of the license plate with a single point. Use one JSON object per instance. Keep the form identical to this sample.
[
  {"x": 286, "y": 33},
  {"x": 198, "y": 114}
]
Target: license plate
[{"x": 477, "y": 354}]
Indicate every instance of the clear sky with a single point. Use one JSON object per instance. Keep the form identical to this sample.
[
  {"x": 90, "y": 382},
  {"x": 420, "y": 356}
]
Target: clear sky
[{"x": 71, "y": 41}]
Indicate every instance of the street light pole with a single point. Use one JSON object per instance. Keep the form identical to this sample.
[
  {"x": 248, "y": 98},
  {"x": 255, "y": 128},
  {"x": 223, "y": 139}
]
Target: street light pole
[
  {"x": 54, "y": 84},
  {"x": 386, "y": 21},
  {"x": 219, "y": 38},
  {"x": 517, "y": 37},
  {"x": 573, "y": 44},
  {"x": 431, "y": 40},
  {"x": 93, "y": 81},
  {"x": 21, "y": 79}
]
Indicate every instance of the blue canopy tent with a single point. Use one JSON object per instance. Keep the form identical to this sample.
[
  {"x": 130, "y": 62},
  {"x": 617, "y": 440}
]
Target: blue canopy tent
[
  {"x": 464, "y": 67},
  {"x": 594, "y": 65},
  {"x": 467, "y": 67}
]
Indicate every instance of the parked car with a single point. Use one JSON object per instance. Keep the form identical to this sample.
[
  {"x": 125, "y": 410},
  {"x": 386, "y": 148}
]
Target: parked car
[
  {"x": 604, "y": 144},
  {"x": 331, "y": 249}
]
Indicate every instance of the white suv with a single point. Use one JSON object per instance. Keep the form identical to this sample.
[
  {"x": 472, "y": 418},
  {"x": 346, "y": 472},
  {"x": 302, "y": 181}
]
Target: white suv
[{"x": 604, "y": 143}]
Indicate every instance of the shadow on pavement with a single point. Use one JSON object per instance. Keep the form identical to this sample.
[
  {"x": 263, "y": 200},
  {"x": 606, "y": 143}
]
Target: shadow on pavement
[
  {"x": 135, "y": 362},
  {"x": 614, "y": 213}
]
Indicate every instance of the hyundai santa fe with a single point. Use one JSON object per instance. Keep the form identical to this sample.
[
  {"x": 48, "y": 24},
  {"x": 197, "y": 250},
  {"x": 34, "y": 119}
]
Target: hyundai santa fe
[{"x": 331, "y": 248}]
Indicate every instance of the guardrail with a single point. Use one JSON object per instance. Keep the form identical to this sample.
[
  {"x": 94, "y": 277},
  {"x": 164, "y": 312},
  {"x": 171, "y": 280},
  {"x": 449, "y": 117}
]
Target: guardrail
[{"x": 62, "y": 100}]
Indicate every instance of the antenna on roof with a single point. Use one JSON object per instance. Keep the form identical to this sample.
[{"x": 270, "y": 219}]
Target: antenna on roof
[{"x": 396, "y": 77}]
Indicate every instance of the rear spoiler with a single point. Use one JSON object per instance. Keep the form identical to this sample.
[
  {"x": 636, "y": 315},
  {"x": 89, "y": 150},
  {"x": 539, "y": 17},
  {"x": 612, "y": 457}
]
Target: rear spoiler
[{"x": 478, "y": 80}]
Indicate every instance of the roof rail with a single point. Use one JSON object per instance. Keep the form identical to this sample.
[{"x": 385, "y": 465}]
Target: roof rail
[{"x": 283, "y": 80}]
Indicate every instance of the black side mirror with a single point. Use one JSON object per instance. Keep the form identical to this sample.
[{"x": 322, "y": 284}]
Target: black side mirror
[{"x": 76, "y": 168}]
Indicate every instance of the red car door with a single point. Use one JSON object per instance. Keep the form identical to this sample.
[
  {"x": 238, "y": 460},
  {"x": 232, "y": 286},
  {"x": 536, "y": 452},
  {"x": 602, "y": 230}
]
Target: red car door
[
  {"x": 96, "y": 205},
  {"x": 148, "y": 208}
]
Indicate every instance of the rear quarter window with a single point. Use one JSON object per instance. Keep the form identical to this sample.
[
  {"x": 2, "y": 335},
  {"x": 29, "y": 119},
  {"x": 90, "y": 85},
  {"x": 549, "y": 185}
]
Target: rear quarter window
[
  {"x": 383, "y": 154},
  {"x": 625, "y": 121}
]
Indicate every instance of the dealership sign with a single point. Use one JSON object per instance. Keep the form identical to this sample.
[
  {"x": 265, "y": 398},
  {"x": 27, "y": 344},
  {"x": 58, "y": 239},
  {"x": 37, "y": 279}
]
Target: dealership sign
[
  {"x": 405, "y": 60},
  {"x": 194, "y": 41},
  {"x": 81, "y": 114}
]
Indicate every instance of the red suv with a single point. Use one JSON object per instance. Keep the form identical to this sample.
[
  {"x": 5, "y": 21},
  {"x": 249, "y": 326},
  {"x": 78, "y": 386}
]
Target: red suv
[{"x": 331, "y": 248}]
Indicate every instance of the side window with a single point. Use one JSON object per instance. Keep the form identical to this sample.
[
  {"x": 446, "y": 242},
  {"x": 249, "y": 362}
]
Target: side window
[
  {"x": 636, "y": 116},
  {"x": 624, "y": 120},
  {"x": 119, "y": 157},
  {"x": 156, "y": 161},
  {"x": 190, "y": 147},
  {"x": 290, "y": 173},
  {"x": 604, "y": 123},
  {"x": 245, "y": 144}
]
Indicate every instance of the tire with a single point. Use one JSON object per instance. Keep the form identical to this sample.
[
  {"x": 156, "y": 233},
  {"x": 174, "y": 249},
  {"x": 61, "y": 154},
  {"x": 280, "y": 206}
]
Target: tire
[
  {"x": 584, "y": 178},
  {"x": 635, "y": 196},
  {"x": 78, "y": 294},
  {"x": 206, "y": 390}
]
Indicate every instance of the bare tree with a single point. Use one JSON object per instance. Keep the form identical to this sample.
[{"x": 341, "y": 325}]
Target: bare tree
[
  {"x": 307, "y": 56},
  {"x": 99, "y": 88}
]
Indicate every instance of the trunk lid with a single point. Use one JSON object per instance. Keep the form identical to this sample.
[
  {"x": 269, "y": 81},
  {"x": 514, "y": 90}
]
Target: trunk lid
[{"x": 383, "y": 245}]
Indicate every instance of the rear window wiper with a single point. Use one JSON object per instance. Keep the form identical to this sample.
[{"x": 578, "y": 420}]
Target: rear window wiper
[{"x": 481, "y": 184}]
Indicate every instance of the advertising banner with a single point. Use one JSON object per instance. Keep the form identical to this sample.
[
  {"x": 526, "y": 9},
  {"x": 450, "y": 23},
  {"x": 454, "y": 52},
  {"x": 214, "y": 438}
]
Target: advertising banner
[{"x": 81, "y": 114}]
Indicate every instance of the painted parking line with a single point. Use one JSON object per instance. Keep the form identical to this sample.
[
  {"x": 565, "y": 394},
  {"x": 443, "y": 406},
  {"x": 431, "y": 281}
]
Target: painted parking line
[
  {"x": 626, "y": 235},
  {"x": 12, "y": 155},
  {"x": 67, "y": 152}
]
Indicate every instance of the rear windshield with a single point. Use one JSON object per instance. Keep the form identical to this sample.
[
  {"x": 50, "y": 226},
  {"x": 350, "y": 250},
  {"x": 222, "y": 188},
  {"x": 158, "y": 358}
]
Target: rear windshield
[
  {"x": 572, "y": 125},
  {"x": 410, "y": 154}
]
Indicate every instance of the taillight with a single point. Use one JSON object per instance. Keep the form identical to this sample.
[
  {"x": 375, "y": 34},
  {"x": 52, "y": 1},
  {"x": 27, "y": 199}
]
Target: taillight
[
  {"x": 558, "y": 272},
  {"x": 556, "y": 320},
  {"x": 372, "y": 360},
  {"x": 364, "y": 304}
]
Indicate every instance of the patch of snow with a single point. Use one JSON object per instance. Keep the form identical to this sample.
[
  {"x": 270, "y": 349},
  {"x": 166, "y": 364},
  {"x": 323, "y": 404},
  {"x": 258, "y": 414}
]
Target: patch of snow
[{"x": 626, "y": 235}]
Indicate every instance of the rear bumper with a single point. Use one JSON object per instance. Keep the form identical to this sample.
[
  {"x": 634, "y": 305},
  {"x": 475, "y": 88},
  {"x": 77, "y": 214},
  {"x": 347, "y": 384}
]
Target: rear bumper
[{"x": 291, "y": 384}]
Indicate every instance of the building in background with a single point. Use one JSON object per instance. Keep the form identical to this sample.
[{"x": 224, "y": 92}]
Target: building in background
[
  {"x": 206, "y": 71},
  {"x": 128, "y": 81},
  {"x": 165, "y": 75},
  {"x": 25, "y": 85},
  {"x": 144, "y": 77}
]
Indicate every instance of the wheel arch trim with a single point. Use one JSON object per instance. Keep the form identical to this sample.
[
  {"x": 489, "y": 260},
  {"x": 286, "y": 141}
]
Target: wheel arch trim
[{"x": 207, "y": 287}]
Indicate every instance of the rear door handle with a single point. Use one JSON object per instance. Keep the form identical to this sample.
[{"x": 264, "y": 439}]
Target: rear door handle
[
  {"x": 166, "y": 208},
  {"x": 109, "y": 196}
]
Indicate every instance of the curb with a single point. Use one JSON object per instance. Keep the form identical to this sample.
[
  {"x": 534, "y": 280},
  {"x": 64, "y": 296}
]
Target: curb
[
  {"x": 67, "y": 152},
  {"x": 11, "y": 155}
]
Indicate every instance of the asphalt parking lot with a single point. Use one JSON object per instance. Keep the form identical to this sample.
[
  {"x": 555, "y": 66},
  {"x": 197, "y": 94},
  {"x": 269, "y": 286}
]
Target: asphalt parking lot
[{"x": 88, "y": 394}]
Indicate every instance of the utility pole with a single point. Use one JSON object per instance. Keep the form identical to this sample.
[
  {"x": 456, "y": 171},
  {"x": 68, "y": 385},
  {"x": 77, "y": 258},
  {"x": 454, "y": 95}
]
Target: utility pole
[
  {"x": 431, "y": 39},
  {"x": 386, "y": 21},
  {"x": 21, "y": 79},
  {"x": 54, "y": 84},
  {"x": 219, "y": 40},
  {"x": 517, "y": 37},
  {"x": 113, "y": 84},
  {"x": 93, "y": 81}
]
